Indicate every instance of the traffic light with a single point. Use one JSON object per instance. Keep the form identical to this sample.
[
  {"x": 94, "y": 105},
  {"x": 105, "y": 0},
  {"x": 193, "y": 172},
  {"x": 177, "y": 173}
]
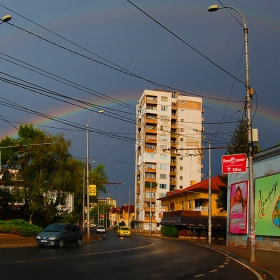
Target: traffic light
[{"x": 92, "y": 190}]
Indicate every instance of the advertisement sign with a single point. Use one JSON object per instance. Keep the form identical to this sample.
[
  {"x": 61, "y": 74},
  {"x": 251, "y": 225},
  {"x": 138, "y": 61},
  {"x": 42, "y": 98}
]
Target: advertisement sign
[
  {"x": 236, "y": 163},
  {"x": 238, "y": 208},
  {"x": 267, "y": 205}
]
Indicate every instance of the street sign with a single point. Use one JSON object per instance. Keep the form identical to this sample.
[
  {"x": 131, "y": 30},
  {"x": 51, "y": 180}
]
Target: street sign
[
  {"x": 92, "y": 190},
  {"x": 236, "y": 163}
]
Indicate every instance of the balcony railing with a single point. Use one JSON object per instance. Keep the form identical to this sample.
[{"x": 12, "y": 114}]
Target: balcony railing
[{"x": 201, "y": 208}]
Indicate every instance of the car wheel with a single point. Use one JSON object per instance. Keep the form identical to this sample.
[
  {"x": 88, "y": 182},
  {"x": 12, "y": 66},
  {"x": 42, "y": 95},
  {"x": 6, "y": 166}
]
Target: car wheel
[
  {"x": 41, "y": 246},
  {"x": 79, "y": 242},
  {"x": 60, "y": 243}
]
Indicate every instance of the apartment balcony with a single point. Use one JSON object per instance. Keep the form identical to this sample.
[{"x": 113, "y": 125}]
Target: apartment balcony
[
  {"x": 173, "y": 163},
  {"x": 150, "y": 140},
  {"x": 149, "y": 169},
  {"x": 150, "y": 121},
  {"x": 148, "y": 180},
  {"x": 172, "y": 173},
  {"x": 149, "y": 100},
  {"x": 147, "y": 209},
  {"x": 147, "y": 200},
  {"x": 151, "y": 130},
  {"x": 149, "y": 150}
]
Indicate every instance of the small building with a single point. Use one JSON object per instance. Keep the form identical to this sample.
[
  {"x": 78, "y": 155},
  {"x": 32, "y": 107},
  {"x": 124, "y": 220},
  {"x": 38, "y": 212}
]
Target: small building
[
  {"x": 122, "y": 214},
  {"x": 188, "y": 208}
]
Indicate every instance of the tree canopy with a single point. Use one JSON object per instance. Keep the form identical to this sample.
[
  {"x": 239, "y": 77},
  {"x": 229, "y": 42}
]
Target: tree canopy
[{"x": 43, "y": 173}]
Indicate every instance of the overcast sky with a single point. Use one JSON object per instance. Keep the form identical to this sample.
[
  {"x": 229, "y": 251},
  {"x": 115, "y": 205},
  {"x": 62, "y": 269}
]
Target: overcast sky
[{"x": 62, "y": 61}]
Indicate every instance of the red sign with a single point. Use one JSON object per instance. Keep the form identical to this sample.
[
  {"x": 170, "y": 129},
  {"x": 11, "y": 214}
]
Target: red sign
[{"x": 234, "y": 163}]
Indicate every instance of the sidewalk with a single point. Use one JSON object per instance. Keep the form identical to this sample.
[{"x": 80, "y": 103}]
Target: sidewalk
[{"x": 267, "y": 262}]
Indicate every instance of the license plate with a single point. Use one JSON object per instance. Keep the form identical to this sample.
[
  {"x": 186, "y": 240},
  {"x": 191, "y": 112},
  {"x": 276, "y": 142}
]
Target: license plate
[{"x": 44, "y": 241}]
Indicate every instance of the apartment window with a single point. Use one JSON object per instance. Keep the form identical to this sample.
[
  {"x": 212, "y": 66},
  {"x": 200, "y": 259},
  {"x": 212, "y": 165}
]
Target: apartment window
[
  {"x": 150, "y": 175},
  {"x": 162, "y": 186},
  {"x": 190, "y": 204},
  {"x": 164, "y": 98},
  {"x": 182, "y": 129},
  {"x": 154, "y": 98},
  {"x": 150, "y": 165},
  {"x": 163, "y": 137},
  {"x": 181, "y": 139},
  {"x": 150, "y": 136},
  {"x": 162, "y": 176},
  {"x": 163, "y": 166},
  {"x": 151, "y": 107},
  {"x": 183, "y": 205},
  {"x": 163, "y": 157},
  {"x": 182, "y": 120},
  {"x": 163, "y": 108},
  {"x": 164, "y": 118},
  {"x": 181, "y": 167},
  {"x": 162, "y": 195},
  {"x": 183, "y": 101},
  {"x": 181, "y": 177},
  {"x": 150, "y": 155},
  {"x": 150, "y": 127},
  {"x": 164, "y": 128},
  {"x": 173, "y": 95},
  {"x": 150, "y": 146},
  {"x": 163, "y": 147},
  {"x": 150, "y": 194},
  {"x": 181, "y": 187}
]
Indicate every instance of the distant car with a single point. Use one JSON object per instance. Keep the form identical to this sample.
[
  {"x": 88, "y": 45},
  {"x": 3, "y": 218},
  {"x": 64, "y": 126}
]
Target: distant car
[
  {"x": 59, "y": 234},
  {"x": 118, "y": 230},
  {"x": 100, "y": 229},
  {"x": 124, "y": 231}
]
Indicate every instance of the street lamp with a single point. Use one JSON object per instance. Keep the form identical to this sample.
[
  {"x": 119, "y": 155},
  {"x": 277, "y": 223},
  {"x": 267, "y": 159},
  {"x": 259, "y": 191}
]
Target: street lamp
[
  {"x": 214, "y": 8},
  {"x": 88, "y": 226},
  {"x": 5, "y": 18}
]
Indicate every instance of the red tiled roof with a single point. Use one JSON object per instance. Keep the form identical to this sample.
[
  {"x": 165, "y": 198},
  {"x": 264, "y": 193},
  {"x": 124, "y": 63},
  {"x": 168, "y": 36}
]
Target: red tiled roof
[{"x": 200, "y": 186}]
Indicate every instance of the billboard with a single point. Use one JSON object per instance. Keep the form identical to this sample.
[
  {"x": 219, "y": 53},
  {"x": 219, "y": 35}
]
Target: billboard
[
  {"x": 235, "y": 163},
  {"x": 238, "y": 208},
  {"x": 267, "y": 205}
]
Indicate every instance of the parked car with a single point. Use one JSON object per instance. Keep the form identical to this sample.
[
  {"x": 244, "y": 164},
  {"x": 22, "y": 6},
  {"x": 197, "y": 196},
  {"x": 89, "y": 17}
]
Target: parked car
[
  {"x": 124, "y": 231},
  {"x": 119, "y": 228},
  {"x": 59, "y": 234},
  {"x": 100, "y": 229}
]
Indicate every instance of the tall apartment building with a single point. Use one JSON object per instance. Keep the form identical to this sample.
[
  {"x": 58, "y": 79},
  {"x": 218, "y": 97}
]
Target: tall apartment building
[{"x": 168, "y": 151}]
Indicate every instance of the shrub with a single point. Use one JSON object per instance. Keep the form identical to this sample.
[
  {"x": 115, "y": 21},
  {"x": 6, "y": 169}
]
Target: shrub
[
  {"x": 195, "y": 233},
  {"x": 170, "y": 231},
  {"x": 203, "y": 233},
  {"x": 19, "y": 227}
]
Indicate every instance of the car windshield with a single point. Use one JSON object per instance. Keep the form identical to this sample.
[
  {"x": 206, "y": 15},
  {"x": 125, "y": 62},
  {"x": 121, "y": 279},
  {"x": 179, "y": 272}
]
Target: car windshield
[
  {"x": 101, "y": 227},
  {"x": 54, "y": 228},
  {"x": 124, "y": 228}
]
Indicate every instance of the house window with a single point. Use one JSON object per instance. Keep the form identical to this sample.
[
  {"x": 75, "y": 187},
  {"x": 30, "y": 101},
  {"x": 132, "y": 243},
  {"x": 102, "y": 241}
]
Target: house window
[
  {"x": 181, "y": 187},
  {"x": 163, "y": 138},
  {"x": 162, "y": 176},
  {"x": 183, "y": 101},
  {"x": 181, "y": 139},
  {"x": 163, "y": 108},
  {"x": 172, "y": 206},
  {"x": 197, "y": 203},
  {"x": 164, "y": 98},
  {"x": 164, "y": 128},
  {"x": 182, "y": 129},
  {"x": 163, "y": 147},
  {"x": 162, "y": 186},
  {"x": 181, "y": 167},
  {"x": 183, "y": 205},
  {"x": 190, "y": 204},
  {"x": 181, "y": 177}
]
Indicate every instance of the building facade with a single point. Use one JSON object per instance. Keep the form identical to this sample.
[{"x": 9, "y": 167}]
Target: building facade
[{"x": 168, "y": 150}]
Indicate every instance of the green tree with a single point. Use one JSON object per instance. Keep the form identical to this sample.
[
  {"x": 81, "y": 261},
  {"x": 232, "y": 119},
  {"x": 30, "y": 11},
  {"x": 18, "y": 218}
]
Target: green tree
[{"x": 238, "y": 145}]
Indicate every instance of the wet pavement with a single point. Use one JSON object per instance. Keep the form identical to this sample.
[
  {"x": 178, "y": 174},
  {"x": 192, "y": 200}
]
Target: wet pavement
[{"x": 267, "y": 263}]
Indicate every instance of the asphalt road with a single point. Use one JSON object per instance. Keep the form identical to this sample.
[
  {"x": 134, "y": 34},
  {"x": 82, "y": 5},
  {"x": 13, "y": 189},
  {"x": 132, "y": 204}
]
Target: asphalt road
[{"x": 136, "y": 257}]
